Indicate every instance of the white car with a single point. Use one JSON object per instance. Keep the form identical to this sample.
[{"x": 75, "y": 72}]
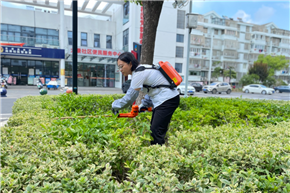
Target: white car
[
  {"x": 258, "y": 88},
  {"x": 181, "y": 89}
]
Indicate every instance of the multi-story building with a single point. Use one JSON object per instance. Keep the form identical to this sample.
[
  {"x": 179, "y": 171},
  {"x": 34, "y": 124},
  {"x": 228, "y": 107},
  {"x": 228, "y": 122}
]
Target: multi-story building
[
  {"x": 227, "y": 43},
  {"x": 105, "y": 29}
]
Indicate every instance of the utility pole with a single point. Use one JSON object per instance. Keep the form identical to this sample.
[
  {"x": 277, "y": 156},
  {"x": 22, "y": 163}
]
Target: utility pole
[
  {"x": 210, "y": 57},
  {"x": 187, "y": 59},
  {"x": 75, "y": 46},
  {"x": 230, "y": 75}
]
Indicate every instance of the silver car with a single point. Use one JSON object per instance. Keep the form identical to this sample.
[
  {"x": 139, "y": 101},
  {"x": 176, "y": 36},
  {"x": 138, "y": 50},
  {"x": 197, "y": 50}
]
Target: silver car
[{"x": 217, "y": 87}]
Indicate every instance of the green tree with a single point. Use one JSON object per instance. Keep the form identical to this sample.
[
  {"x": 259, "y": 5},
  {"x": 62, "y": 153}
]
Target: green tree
[
  {"x": 230, "y": 73},
  {"x": 249, "y": 79},
  {"x": 217, "y": 72},
  {"x": 151, "y": 15},
  {"x": 261, "y": 69},
  {"x": 274, "y": 63},
  {"x": 280, "y": 82}
]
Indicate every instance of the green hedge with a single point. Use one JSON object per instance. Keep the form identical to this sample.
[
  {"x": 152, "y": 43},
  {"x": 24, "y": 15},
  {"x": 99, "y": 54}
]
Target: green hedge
[{"x": 213, "y": 145}]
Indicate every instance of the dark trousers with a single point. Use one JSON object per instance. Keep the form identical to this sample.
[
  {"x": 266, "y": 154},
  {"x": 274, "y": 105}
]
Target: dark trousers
[{"x": 161, "y": 118}]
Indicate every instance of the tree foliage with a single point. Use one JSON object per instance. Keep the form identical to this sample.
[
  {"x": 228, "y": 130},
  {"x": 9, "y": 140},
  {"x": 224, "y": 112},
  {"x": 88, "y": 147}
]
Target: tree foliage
[
  {"x": 260, "y": 69},
  {"x": 274, "y": 62},
  {"x": 230, "y": 73},
  {"x": 217, "y": 72},
  {"x": 249, "y": 79},
  {"x": 151, "y": 15}
]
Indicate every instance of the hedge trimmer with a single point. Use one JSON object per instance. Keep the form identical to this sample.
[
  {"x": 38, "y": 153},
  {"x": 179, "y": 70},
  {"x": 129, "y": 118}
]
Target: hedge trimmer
[{"x": 132, "y": 114}]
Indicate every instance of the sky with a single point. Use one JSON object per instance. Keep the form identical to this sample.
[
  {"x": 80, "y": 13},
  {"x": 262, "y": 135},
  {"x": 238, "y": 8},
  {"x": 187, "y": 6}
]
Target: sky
[{"x": 251, "y": 11}]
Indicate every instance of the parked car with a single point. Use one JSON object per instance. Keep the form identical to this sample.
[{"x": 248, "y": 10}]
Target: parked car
[
  {"x": 281, "y": 89},
  {"x": 258, "y": 88},
  {"x": 197, "y": 86},
  {"x": 181, "y": 89},
  {"x": 217, "y": 87}
]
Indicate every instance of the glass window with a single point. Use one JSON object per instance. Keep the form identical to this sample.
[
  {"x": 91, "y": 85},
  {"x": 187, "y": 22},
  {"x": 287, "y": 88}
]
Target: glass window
[
  {"x": 4, "y": 36},
  {"x": 55, "y": 41},
  {"x": 15, "y": 28},
  {"x": 178, "y": 67},
  {"x": 69, "y": 35},
  {"x": 84, "y": 39},
  {"x": 125, "y": 40},
  {"x": 47, "y": 68},
  {"x": 54, "y": 69},
  {"x": 109, "y": 42},
  {"x": 38, "y": 39},
  {"x": 31, "y": 63},
  {"x": 97, "y": 40},
  {"x": 180, "y": 19},
  {"x": 53, "y": 32},
  {"x": 179, "y": 52},
  {"x": 4, "y": 27},
  {"x": 49, "y": 40},
  {"x": 28, "y": 30},
  {"x": 41, "y": 31},
  {"x": 126, "y": 12},
  {"x": 179, "y": 38},
  {"x": 38, "y": 68},
  {"x": 44, "y": 40},
  {"x": 11, "y": 36},
  {"x": 110, "y": 76}
]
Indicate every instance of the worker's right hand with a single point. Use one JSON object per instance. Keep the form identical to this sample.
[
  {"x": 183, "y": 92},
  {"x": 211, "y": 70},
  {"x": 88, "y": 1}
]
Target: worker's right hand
[{"x": 115, "y": 111}]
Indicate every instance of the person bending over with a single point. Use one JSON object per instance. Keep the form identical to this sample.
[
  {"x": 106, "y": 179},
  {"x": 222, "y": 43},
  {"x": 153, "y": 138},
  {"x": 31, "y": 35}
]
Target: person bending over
[{"x": 164, "y": 99}]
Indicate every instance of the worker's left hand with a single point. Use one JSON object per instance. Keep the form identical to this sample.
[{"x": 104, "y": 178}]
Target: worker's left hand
[
  {"x": 115, "y": 111},
  {"x": 142, "y": 108}
]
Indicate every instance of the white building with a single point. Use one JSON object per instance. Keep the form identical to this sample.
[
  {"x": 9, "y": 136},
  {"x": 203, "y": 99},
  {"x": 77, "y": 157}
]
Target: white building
[
  {"x": 235, "y": 45},
  {"x": 107, "y": 28}
]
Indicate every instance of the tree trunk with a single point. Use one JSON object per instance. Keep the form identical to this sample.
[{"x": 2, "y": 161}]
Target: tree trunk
[{"x": 151, "y": 14}]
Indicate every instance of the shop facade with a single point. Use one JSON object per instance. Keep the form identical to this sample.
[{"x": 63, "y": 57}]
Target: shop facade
[
  {"x": 96, "y": 67},
  {"x": 22, "y": 65}
]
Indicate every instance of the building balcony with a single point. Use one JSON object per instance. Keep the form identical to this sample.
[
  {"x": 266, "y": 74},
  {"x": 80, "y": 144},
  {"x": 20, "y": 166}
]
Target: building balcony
[
  {"x": 282, "y": 73},
  {"x": 198, "y": 55},
  {"x": 227, "y": 36},
  {"x": 194, "y": 67},
  {"x": 231, "y": 47},
  {"x": 217, "y": 47},
  {"x": 280, "y": 32},
  {"x": 211, "y": 79},
  {"x": 216, "y": 57},
  {"x": 258, "y": 51},
  {"x": 194, "y": 78},
  {"x": 31, "y": 41}
]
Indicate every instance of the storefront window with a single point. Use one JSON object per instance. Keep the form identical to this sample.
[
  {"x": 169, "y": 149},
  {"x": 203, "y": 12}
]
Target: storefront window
[
  {"x": 110, "y": 76},
  {"x": 46, "y": 68},
  {"x": 38, "y": 68},
  {"x": 94, "y": 75},
  {"x": 54, "y": 69}
]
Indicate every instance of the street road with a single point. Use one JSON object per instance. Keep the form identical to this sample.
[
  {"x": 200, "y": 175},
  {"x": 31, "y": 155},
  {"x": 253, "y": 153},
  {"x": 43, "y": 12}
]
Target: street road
[{"x": 16, "y": 92}]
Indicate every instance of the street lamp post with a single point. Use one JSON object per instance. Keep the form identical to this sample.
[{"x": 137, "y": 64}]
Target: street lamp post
[
  {"x": 191, "y": 23},
  {"x": 210, "y": 57}
]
